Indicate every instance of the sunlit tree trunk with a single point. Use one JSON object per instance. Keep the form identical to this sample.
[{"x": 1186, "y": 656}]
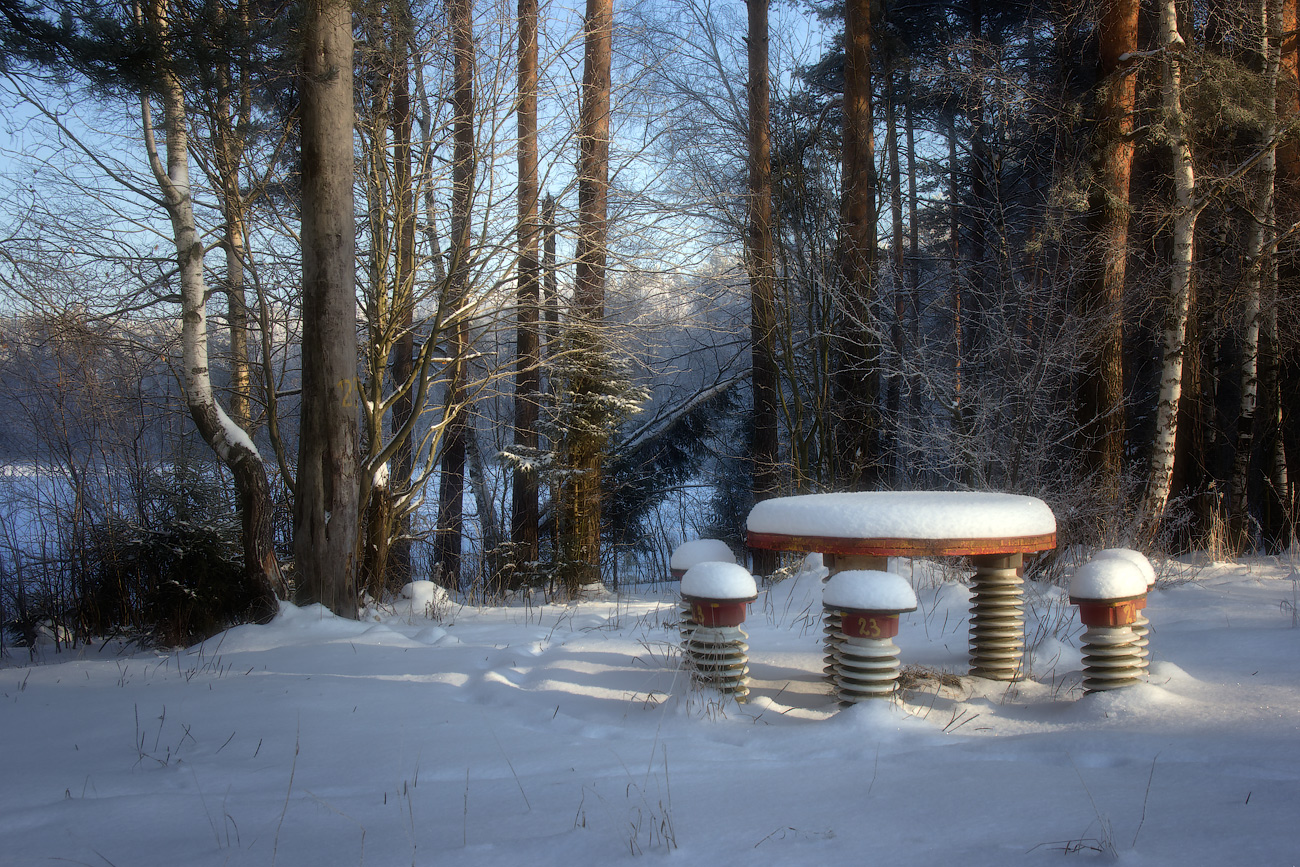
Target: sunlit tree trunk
[
  {"x": 325, "y": 505},
  {"x": 859, "y": 374},
  {"x": 580, "y": 499},
  {"x": 451, "y": 485},
  {"x": 524, "y": 493},
  {"x": 760, "y": 263},
  {"x": 1260, "y": 278},
  {"x": 230, "y": 443},
  {"x": 1100, "y": 395}
]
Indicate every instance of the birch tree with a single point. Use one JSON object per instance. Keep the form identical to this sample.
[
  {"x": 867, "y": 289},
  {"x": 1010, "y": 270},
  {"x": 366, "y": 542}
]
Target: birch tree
[
  {"x": 1260, "y": 278},
  {"x": 1185, "y": 210},
  {"x": 230, "y": 443}
]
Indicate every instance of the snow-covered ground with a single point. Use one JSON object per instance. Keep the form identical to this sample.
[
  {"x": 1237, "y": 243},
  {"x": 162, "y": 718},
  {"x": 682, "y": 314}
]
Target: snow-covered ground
[{"x": 569, "y": 735}]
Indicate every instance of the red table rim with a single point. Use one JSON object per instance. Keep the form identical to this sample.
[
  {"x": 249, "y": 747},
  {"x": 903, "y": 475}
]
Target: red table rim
[{"x": 902, "y": 547}]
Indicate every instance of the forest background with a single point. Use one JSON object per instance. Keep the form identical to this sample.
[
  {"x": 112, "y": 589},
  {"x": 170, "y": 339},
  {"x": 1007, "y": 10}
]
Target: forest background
[{"x": 308, "y": 300}]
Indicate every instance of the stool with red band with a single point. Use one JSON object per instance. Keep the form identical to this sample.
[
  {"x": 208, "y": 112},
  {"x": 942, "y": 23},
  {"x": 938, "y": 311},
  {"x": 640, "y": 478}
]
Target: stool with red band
[
  {"x": 867, "y": 604},
  {"x": 1109, "y": 593},
  {"x": 689, "y": 554},
  {"x": 1141, "y": 626},
  {"x": 716, "y": 595}
]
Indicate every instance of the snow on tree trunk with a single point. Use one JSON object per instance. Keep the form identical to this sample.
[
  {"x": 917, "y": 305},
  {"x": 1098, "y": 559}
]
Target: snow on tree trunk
[{"x": 230, "y": 443}]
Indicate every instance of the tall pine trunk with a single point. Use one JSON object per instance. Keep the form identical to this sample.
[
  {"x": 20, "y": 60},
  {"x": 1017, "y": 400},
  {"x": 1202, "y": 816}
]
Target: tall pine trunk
[
  {"x": 325, "y": 505},
  {"x": 1100, "y": 406},
  {"x": 580, "y": 523},
  {"x": 451, "y": 483},
  {"x": 760, "y": 263},
  {"x": 858, "y": 376},
  {"x": 524, "y": 492}
]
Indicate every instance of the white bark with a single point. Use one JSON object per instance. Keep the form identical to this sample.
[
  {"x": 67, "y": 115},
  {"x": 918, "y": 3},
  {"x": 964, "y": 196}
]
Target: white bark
[
  {"x": 230, "y": 443},
  {"x": 216, "y": 427},
  {"x": 1261, "y": 269},
  {"x": 1184, "y": 227}
]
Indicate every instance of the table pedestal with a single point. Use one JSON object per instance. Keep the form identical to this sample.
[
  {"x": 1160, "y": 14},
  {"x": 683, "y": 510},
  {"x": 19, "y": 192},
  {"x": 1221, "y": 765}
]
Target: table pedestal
[{"x": 997, "y": 623}]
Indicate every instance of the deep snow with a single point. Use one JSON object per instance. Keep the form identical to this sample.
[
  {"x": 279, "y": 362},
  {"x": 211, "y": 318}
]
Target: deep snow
[{"x": 569, "y": 735}]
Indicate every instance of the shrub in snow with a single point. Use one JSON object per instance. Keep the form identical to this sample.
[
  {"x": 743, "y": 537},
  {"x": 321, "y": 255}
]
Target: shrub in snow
[
  {"x": 173, "y": 573},
  {"x": 1108, "y": 578},
  {"x": 712, "y": 580},
  {"x": 423, "y": 599},
  {"x": 869, "y": 590},
  {"x": 688, "y": 554}
]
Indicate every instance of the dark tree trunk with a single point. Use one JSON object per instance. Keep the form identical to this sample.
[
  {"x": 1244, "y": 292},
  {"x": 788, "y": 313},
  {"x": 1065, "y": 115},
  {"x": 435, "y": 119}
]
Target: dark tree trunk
[
  {"x": 325, "y": 506},
  {"x": 581, "y": 499},
  {"x": 397, "y": 564},
  {"x": 858, "y": 376},
  {"x": 451, "y": 487},
  {"x": 524, "y": 494},
  {"x": 1100, "y": 393},
  {"x": 760, "y": 249}
]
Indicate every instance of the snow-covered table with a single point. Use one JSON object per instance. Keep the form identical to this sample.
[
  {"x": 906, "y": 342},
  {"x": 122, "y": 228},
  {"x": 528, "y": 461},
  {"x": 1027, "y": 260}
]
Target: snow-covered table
[{"x": 863, "y": 530}]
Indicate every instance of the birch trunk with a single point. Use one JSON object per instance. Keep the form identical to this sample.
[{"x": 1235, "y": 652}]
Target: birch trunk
[
  {"x": 1184, "y": 229},
  {"x": 234, "y": 447},
  {"x": 1260, "y": 279}
]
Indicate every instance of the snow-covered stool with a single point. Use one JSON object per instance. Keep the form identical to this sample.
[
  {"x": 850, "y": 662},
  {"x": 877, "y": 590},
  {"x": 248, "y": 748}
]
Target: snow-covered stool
[
  {"x": 1141, "y": 626},
  {"x": 867, "y": 604},
  {"x": 863, "y": 530},
  {"x": 713, "y": 642},
  {"x": 1108, "y": 591},
  {"x": 689, "y": 554}
]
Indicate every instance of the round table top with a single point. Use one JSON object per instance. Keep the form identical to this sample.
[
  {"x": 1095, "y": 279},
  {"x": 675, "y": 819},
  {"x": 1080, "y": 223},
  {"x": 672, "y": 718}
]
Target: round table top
[{"x": 904, "y": 523}]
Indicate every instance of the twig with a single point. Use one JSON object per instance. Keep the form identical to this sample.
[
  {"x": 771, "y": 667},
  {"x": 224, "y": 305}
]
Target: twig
[
  {"x": 1145, "y": 798},
  {"x": 293, "y": 769}
]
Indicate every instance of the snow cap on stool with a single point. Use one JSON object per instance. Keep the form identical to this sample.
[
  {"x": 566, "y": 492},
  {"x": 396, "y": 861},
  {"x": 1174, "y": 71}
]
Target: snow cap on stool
[
  {"x": 713, "y": 580},
  {"x": 696, "y": 551},
  {"x": 1130, "y": 556},
  {"x": 869, "y": 590},
  {"x": 1105, "y": 578}
]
